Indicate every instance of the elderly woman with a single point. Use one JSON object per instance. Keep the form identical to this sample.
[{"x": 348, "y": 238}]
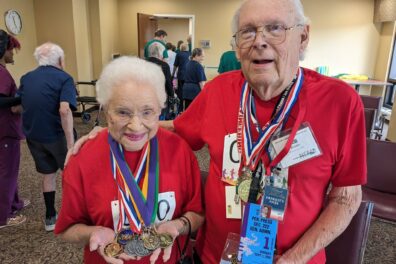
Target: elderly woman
[{"x": 125, "y": 181}]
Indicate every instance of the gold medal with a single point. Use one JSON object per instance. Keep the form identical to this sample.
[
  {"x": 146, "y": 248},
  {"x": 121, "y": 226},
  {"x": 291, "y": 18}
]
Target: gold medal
[
  {"x": 243, "y": 189},
  {"x": 113, "y": 250},
  {"x": 165, "y": 240}
]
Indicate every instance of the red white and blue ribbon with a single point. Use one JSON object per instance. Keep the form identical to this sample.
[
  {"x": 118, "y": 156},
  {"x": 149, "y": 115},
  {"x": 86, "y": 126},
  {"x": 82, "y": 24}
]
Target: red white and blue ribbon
[
  {"x": 138, "y": 192},
  {"x": 251, "y": 150}
]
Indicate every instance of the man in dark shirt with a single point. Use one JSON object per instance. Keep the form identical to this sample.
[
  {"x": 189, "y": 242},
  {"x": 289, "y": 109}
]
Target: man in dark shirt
[
  {"x": 181, "y": 60},
  {"x": 155, "y": 53},
  {"x": 48, "y": 96}
]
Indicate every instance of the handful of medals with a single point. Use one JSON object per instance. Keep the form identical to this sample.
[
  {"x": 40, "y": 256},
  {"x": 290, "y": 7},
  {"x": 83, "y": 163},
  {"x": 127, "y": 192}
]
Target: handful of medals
[{"x": 140, "y": 245}]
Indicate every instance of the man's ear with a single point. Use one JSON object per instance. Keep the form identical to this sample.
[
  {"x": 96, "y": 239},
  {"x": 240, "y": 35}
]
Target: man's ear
[
  {"x": 305, "y": 37},
  {"x": 237, "y": 53}
]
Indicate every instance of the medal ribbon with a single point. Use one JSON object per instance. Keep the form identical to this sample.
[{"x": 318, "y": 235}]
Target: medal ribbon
[
  {"x": 139, "y": 204},
  {"x": 251, "y": 151}
]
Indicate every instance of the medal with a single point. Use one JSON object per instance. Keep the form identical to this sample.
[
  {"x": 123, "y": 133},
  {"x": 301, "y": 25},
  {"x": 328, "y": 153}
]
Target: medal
[
  {"x": 243, "y": 189},
  {"x": 165, "y": 240},
  {"x": 124, "y": 236},
  {"x": 113, "y": 250},
  {"x": 151, "y": 241}
]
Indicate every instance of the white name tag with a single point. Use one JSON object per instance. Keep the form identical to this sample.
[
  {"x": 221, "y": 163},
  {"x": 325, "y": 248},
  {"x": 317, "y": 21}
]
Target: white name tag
[
  {"x": 304, "y": 147},
  {"x": 233, "y": 210},
  {"x": 166, "y": 209},
  {"x": 231, "y": 159}
]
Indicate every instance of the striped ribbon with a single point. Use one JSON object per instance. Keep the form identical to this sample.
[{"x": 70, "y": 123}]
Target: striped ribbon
[
  {"x": 137, "y": 192},
  {"x": 251, "y": 151}
]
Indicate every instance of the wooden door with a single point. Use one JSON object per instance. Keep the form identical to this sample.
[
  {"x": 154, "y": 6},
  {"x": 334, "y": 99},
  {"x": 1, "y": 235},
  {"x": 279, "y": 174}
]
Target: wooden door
[{"x": 147, "y": 25}]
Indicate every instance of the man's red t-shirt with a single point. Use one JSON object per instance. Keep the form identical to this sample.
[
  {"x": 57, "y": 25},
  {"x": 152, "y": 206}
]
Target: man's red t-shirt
[{"x": 335, "y": 113}]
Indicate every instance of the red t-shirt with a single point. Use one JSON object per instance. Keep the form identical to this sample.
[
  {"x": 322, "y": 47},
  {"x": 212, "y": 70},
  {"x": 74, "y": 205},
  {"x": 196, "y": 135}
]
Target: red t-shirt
[
  {"x": 335, "y": 114},
  {"x": 89, "y": 186}
]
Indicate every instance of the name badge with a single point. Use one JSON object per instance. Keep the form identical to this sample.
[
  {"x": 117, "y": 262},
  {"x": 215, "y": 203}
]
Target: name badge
[
  {"x": 231, "y": 160},
  {"x": 233, "y": 209},
  {"x": 304, "y": 146},
  {"x": 258, "y": 237},
  {"x": 274, "y": 202}
]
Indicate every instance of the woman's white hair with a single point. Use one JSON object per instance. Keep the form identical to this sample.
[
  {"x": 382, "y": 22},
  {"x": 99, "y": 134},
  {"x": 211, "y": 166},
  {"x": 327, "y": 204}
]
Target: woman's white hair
[
  {"x": 49, "y": 54},
  {"x": 127, "y": 68}
]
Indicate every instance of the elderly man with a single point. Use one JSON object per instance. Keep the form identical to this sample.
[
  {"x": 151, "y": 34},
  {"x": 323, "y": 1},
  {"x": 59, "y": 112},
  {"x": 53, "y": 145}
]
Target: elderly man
[
  {"x": 271, "y": 36},
  {"x": 48, "y": 94},
  {"x": 250, "y": 111}
]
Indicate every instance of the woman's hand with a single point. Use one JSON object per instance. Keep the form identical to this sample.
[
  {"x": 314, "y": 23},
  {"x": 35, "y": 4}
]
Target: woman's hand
[
  {"x": 173, "y": 228},
  {"x": 81, "y": 141}
]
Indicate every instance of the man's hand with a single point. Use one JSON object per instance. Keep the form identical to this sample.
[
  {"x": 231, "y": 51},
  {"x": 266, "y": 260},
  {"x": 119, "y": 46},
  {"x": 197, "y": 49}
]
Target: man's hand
[{"x": 80, "y": 142}]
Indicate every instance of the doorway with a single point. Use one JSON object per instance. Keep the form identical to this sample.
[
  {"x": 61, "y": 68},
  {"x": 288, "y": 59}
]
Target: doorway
[{"x": 178, "y": 27}]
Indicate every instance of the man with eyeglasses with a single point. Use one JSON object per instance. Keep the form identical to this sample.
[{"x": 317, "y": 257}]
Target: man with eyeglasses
[
  {"x": 244, "y": 112},
  {"x": 279, "y": 135}
]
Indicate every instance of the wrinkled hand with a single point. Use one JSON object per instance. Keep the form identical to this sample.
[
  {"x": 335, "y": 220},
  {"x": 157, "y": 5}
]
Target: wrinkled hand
[
  {"x": 169, "y": 227},
  {"x": 81, "y": 141},
  {"x": 98, "y": 241}
]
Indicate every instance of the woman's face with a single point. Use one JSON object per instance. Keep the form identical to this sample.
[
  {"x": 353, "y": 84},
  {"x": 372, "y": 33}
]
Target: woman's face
[
  {"x": 200, "y": 58},
  {"x": 132, "y": 114}
]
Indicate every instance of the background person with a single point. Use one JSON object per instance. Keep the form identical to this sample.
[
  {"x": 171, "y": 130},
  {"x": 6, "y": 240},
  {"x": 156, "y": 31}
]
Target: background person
[
  {"x": 132, "y": 93},
  {"x": 10, "y": 137},
  {"x": 194, "y": 77},
  {"x": 171, "y": 55},
  {"x": 159, "y": 37},
  {"x": 48, "y": 97},
  {"x": 181, "y": 60},
  {"x": 228, "y": 60}
]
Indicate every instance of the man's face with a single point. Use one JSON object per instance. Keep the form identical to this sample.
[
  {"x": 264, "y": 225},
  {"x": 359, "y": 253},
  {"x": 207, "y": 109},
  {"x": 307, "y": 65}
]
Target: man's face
[{"x": 266, "y": 65}]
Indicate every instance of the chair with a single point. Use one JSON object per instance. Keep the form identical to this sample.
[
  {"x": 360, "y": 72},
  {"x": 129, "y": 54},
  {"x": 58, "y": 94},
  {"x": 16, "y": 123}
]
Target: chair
[
  {"x": 369, "y": 116},
  {"x": 375, "y": 102},
  {"x": 349, "y": 247},
  {"x": 381, "y": 178}
]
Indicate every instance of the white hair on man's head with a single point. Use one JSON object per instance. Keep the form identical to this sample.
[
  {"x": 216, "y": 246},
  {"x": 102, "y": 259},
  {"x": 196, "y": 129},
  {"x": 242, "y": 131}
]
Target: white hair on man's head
[
  {"x": 127, "y": 68},
  {"x": 298, "y": 7},
  {"x": 49, "y": 54},
  {"x": 156, "y": 50}
]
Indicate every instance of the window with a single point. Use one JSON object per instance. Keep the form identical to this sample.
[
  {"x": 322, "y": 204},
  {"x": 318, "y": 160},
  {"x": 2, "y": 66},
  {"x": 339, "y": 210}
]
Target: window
[{"x": 390, "y": 89}]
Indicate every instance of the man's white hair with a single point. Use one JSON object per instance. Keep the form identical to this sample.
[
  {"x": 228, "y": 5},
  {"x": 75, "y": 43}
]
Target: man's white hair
[
  {"x": 127, "y": 68},
  {"x": 156, "y": 50},
  {"x": 298, "y": 7},
  {"x": 49, "y": 54}
]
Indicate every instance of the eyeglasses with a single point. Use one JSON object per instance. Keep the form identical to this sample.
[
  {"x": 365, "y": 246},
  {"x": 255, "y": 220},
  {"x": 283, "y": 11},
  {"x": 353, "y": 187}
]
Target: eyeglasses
[
  {"x": 125, "y": 116},
  {"x": 273, "y": 34}
]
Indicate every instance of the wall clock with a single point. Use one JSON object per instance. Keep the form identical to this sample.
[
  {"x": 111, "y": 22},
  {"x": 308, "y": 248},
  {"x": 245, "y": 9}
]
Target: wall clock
[{"x": 13, "y": 21}]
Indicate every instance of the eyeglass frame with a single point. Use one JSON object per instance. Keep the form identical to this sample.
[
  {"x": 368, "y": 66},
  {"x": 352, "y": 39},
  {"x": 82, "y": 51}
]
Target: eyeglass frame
[
  {"x": 130, "y": 115},
  {"x": 284, "y": 28}
]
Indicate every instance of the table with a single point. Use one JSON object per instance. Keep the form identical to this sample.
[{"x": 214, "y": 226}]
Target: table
[{"x": 372, "y": 82}]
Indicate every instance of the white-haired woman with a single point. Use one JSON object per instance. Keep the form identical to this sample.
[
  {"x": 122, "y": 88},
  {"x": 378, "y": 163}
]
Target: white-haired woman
[{"x": 126, "y": 180}]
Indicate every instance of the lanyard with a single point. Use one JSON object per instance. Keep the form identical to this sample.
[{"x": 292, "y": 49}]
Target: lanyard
[
  {"x": 138, "y": 204},
  {"x": 251, "y": 151}
]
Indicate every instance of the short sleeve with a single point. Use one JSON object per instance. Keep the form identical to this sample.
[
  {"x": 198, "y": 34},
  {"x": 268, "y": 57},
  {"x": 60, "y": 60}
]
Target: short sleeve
[
  {"x": 350, "y": 167},
  {"x": 69, "y": 94},
  {"x": 73, "y": 209},
  {"x": 202, "y": 76},
  {"x": 189, "y": 124},
  {"x": 194, "y": 190}
]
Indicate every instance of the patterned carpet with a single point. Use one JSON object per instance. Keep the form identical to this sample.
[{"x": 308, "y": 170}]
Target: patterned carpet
[{"x": 29, "y": 243}]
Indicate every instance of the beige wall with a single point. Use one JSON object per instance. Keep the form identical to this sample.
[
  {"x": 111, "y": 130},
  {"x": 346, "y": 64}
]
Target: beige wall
[
  {"x": 212, "y": 22},
  {"x": 54, "y": 23},
  {"x": 83, "y": 43},
  {"x": 109, "y": 29},
  {"x": 343, "y": 36},
  {"x": 177, "y": 29},
  {"x": 24, "y": 60}
]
